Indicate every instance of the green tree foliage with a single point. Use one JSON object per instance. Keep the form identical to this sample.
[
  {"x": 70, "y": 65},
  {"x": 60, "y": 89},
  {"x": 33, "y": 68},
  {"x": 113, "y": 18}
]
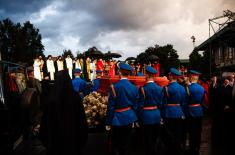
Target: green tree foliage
[
  {"x": 195, "y": 61},
  {"x": 19, "y": 43},
  {"x": 66, "y": 53},
  {"x": 79, "y": 54},
  {"x": 202, "y": 63},
  {"x": 6, "y": 41},
  {"x": 32, "y": 41},
  {"x": 167, "y": 55}
]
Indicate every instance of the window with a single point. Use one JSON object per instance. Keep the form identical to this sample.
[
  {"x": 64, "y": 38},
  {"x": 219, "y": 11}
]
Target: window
[
  {"x": 2, "y": 99},
  {"x": 230, "y": 53},
  {"x": 219, "y": 54}
]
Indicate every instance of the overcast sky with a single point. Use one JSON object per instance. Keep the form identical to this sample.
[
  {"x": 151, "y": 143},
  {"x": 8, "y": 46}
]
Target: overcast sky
[{"x": 124, "y": 26}]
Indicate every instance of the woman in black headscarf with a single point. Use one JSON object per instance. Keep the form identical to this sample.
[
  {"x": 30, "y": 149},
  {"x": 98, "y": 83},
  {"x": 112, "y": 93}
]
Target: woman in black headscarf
[{"x": 66, "y": 118}]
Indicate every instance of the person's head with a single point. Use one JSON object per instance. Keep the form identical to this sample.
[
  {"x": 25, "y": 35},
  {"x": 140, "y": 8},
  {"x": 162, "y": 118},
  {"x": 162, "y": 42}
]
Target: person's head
[
  {"x": 231, "y": 77},
  {"x": 30, "y": 71},
  {"x": 226, "y": 81},
  {"x": 214, "y": 78},
  {"x": 49, "y": 57},
  {"x": 12, "y": 74},
  {"x": 40, "y": 57},
  {"x": 132, "y": 64},
  {"x": 180, "y": 79},
  {"x": 36, "y": 58},
  {"x": 59, "y": 57},
  {"x": 194, "y": 76},
  {"x": 150, "y": 72},
  {"x": 174, "y": 74},
  {"x": 111, "y": 62},
  {"x": 68, "y": 56},
  {"x": 77, "y": 72},
  {"x": 125, "y": 69}
]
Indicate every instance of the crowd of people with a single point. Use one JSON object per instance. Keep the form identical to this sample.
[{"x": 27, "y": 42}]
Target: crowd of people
[
  {"x": 151, "y": 105},
  {"x": 179, "y": 107},
  {"x": 88, "y": 66}
]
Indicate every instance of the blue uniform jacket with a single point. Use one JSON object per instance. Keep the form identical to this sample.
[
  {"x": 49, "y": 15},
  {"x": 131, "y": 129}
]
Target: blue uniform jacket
[
  {"x": 79, "y": 85},
  {"x": 126, "y": 96},
  {"x": 195, "y": 96},
  {"x": 152, "y": 96},
  {"x": 174, "y": 93},
  {"x": 96, "y": 85}
]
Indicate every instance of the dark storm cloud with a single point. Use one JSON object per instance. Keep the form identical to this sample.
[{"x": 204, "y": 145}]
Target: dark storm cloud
[
  {"x": 22, "y": 6},
  {"x": 124, "y": 14},
  {"x": 142, "y": 15},
  {"x": 130, "y": 25}
]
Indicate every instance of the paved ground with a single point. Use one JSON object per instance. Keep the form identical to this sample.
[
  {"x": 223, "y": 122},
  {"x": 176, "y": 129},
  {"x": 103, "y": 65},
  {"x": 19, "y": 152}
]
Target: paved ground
[
  {"x": 97, "y": 142},
  {"x": 206, "y": 137}
]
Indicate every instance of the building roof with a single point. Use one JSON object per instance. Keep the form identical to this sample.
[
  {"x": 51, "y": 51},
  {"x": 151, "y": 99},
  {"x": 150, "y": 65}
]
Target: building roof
[{"x": 226, "y": 34}]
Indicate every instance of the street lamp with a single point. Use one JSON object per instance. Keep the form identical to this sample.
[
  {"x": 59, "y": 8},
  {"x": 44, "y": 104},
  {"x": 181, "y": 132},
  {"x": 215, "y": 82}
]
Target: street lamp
[
  {"x": 193, "y": 38},
  {"x": 0, "y": 50}
]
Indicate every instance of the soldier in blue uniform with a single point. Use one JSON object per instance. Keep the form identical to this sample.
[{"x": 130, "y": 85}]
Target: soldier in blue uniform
[
  {"x": 194, "y": 115},
  {"x": 149, "y": 112},
  {"x": 79, "y": 85},
  {"x": 174, "y": 100},
  {"x": 121, "y": 113},
  {"x": 96, "y": 82}
]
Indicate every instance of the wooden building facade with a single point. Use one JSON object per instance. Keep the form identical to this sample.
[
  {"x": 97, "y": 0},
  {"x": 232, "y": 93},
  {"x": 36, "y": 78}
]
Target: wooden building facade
[{"x": 221, "y": 47}]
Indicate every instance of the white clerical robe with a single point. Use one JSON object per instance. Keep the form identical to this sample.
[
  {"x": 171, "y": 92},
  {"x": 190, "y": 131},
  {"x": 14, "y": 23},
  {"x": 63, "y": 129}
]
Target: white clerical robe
[
  {"x": 36, "y": 68},
  {"x": 93, "y": 70},
  {"x": 60, "y": 65},
  {"x": 77, "y": 64},
  {"x": 51, "y": 68},
  {"x": 69, "y": 64}
]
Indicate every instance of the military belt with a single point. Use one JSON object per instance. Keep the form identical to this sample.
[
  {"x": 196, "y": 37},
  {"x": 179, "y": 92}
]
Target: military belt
[
  {"x": 195, "y": 105},
  {"x": 122, "y": 109},
  {"x": 173, "y": 104},
  {"x": 150, "y": 107}
]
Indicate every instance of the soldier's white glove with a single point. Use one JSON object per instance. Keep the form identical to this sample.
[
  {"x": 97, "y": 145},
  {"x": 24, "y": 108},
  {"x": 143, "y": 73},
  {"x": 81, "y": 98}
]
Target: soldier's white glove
[
  {"x": 36, "y": 129},
  {"x": 161, "y": 121},
  {"x": 137, "y": 124},
  {"x": 226, "y": 107},
  {"x": 108, "y": 127},
  {"x": 183, "y": 117},
  {"x": 133, "y": 125}
]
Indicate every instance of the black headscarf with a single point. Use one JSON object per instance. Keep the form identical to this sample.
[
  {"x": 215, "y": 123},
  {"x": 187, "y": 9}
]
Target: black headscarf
[{"x": 66, "y": 118}]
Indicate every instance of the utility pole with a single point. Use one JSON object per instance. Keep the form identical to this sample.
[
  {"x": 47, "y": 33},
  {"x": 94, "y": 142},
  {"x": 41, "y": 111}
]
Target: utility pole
[{"x": 0, "y": 51}]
